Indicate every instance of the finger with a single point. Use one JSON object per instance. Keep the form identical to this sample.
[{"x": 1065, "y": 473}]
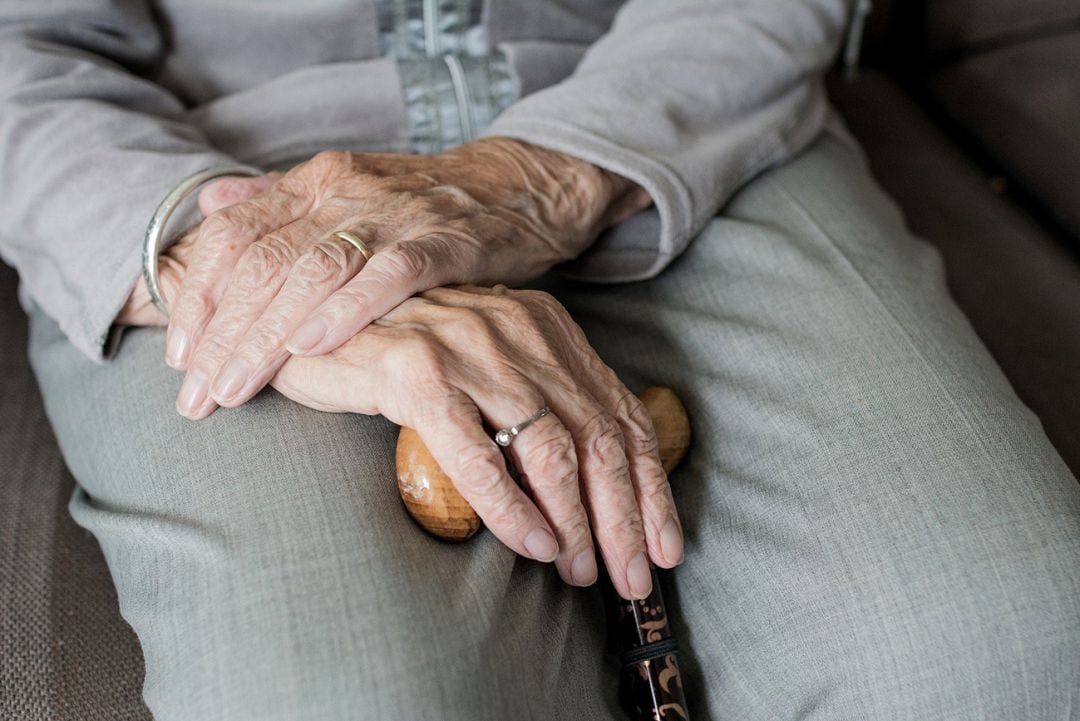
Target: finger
[
  {"x": 545, "y": 455},
  {"x": 223, "y": 238},
  {"x": 663, "y": 529},
  {"x": 609, "y": 493},
  {"x": 230, "y": 190},
  {"x": 258, "y": 277},
  {"x": 454, "y": 434},
  {"x": 319, "y": 271},
  {"x": 392, "y": 275}
]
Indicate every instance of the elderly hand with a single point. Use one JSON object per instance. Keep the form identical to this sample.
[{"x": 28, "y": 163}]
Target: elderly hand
[
  {"x": 267, "y": 277},
  {"x": 173, "y": 262},
  {"x": 452, "y": 359}
]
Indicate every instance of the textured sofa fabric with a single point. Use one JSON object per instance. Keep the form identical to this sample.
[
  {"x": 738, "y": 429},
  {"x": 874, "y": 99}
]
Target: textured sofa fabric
[
  {"x": 1016, "y": 281},
  {"x": 953, "y": 26},
  {"x": 65, "y": 653},
  {"x": 1021, "y": 103}
]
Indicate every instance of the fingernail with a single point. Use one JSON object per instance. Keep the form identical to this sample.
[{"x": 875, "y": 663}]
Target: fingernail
[
  {"x": 671, "y": 542},
  {"x": 176, "y": 350},
  {"x": 231, "y": 379},
  {"x": 583, "y": 569},
  {"x": 638, "y": 576},
  {"x": 541, "y": 545},
  {"x": 192, "y": 393},
  {"x": 307, "y": 336}
]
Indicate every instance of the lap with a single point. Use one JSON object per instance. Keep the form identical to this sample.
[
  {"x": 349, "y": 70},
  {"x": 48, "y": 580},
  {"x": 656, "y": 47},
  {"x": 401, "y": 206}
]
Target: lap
[
  {"x": 874, "y": 521},
  {"x": 877, "y": 526},
  {"x": 270, "y": 572}
]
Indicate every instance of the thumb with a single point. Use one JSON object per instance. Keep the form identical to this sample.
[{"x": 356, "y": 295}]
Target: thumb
[{"x": 230, "y": 190}]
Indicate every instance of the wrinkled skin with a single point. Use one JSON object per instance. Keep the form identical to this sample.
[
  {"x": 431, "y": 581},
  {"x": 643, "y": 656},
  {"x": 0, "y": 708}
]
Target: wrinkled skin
[
  {"x": 267, "y": 278},
  {"x": 467, "y": 355},
  {"x": 451, "y": 359}
]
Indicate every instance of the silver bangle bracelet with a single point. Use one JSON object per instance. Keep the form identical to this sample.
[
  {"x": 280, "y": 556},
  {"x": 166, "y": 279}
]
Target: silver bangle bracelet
[{"x": 156, "y": 230}]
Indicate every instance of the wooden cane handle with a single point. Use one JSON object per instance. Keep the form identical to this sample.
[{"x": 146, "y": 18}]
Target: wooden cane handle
[{"x": 433, "y": 501}]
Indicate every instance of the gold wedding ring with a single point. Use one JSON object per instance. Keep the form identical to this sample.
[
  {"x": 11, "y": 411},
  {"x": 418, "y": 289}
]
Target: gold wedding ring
[{"x": 354, "y": 240}]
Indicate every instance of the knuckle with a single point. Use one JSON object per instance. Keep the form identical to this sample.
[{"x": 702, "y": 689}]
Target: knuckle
[
  {"x": 263, "y": 262},
  {"x": 264, "y": 342},
  {"x": 331, "y": 161},
  {"x": 219, "y": 224},
  {"x": 229, "y": 224},
  {"x": 193, "y": 305},
  {"x": 627, "y": 531},
  {"x": 510, "y": 512},
  {"x": 606, "y": 442},
  {"x": 637, "y": 424},
  {"x": 468, "y": 323},
  {"x": 578, "y": 530},
  {"x": 519, "y": 313},
  {"x": 406, "y": 260},
  {"x": 656, "y": 493},
  {"x": 540, "y": 299},
  {"x": 480, "y": 469},
  {"x": 552, "y": 463},
  {"x": 509, "y": 308},
  {"x": 321, "y": 264},
  {"x": 449, "y": 252},
  {"x": 352, "y": 298},
  {"x": 455, "y": 196},
  {"x": 653, "y": 486},
  {"x": 212, "y": 348}
]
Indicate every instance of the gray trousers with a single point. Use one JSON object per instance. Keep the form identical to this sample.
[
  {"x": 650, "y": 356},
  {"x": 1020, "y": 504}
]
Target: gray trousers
[{"x": 877, "y": 528}]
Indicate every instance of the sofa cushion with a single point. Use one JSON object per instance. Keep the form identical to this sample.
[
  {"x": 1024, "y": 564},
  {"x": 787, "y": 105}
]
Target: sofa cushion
[
  {"x": 1022, "y": 104},
  {"x": 1016, "y": 282},
  {"x": 954, "y": 25},
  {"x": 65, "y": 653}
]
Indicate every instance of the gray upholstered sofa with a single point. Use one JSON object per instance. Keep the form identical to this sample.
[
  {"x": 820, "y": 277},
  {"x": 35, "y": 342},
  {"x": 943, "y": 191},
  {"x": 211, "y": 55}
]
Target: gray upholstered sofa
[{"x": 970, "y": 113}]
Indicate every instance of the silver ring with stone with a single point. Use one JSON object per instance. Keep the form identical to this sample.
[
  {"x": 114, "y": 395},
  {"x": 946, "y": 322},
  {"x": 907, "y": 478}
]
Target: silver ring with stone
[
  {"x": 506, "y": 436},
  {"x": 156, "y": 230}
]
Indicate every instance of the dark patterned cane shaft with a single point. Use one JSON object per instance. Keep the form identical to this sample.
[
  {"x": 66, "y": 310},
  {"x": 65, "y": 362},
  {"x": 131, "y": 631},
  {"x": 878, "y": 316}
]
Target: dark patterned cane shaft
[{"x": 650, "y": 686}]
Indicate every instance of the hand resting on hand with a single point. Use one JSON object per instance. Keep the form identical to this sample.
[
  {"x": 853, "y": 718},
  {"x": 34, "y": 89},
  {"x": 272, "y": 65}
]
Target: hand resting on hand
[
  {"x": 454, "y": 359},
  {"x": 268, "y": 278}
]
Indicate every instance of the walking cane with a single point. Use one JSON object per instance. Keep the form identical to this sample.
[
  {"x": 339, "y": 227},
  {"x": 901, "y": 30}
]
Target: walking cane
[{"x": 650, "y": 683}]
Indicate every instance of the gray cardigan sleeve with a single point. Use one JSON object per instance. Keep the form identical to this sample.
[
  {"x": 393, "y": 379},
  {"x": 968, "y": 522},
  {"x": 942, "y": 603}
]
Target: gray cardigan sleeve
[
  {"x": 690, "y": 99},
  {"x": 87, "y": 150}
]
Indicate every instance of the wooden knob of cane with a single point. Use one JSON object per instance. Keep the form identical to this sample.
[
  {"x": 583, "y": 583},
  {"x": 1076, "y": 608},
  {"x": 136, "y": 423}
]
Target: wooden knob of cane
[{"x": 432, "y": 500}]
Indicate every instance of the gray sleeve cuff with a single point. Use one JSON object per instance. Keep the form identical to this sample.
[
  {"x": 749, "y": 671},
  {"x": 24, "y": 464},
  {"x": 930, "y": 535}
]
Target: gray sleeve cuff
[{"x": 640, "y": 247}]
